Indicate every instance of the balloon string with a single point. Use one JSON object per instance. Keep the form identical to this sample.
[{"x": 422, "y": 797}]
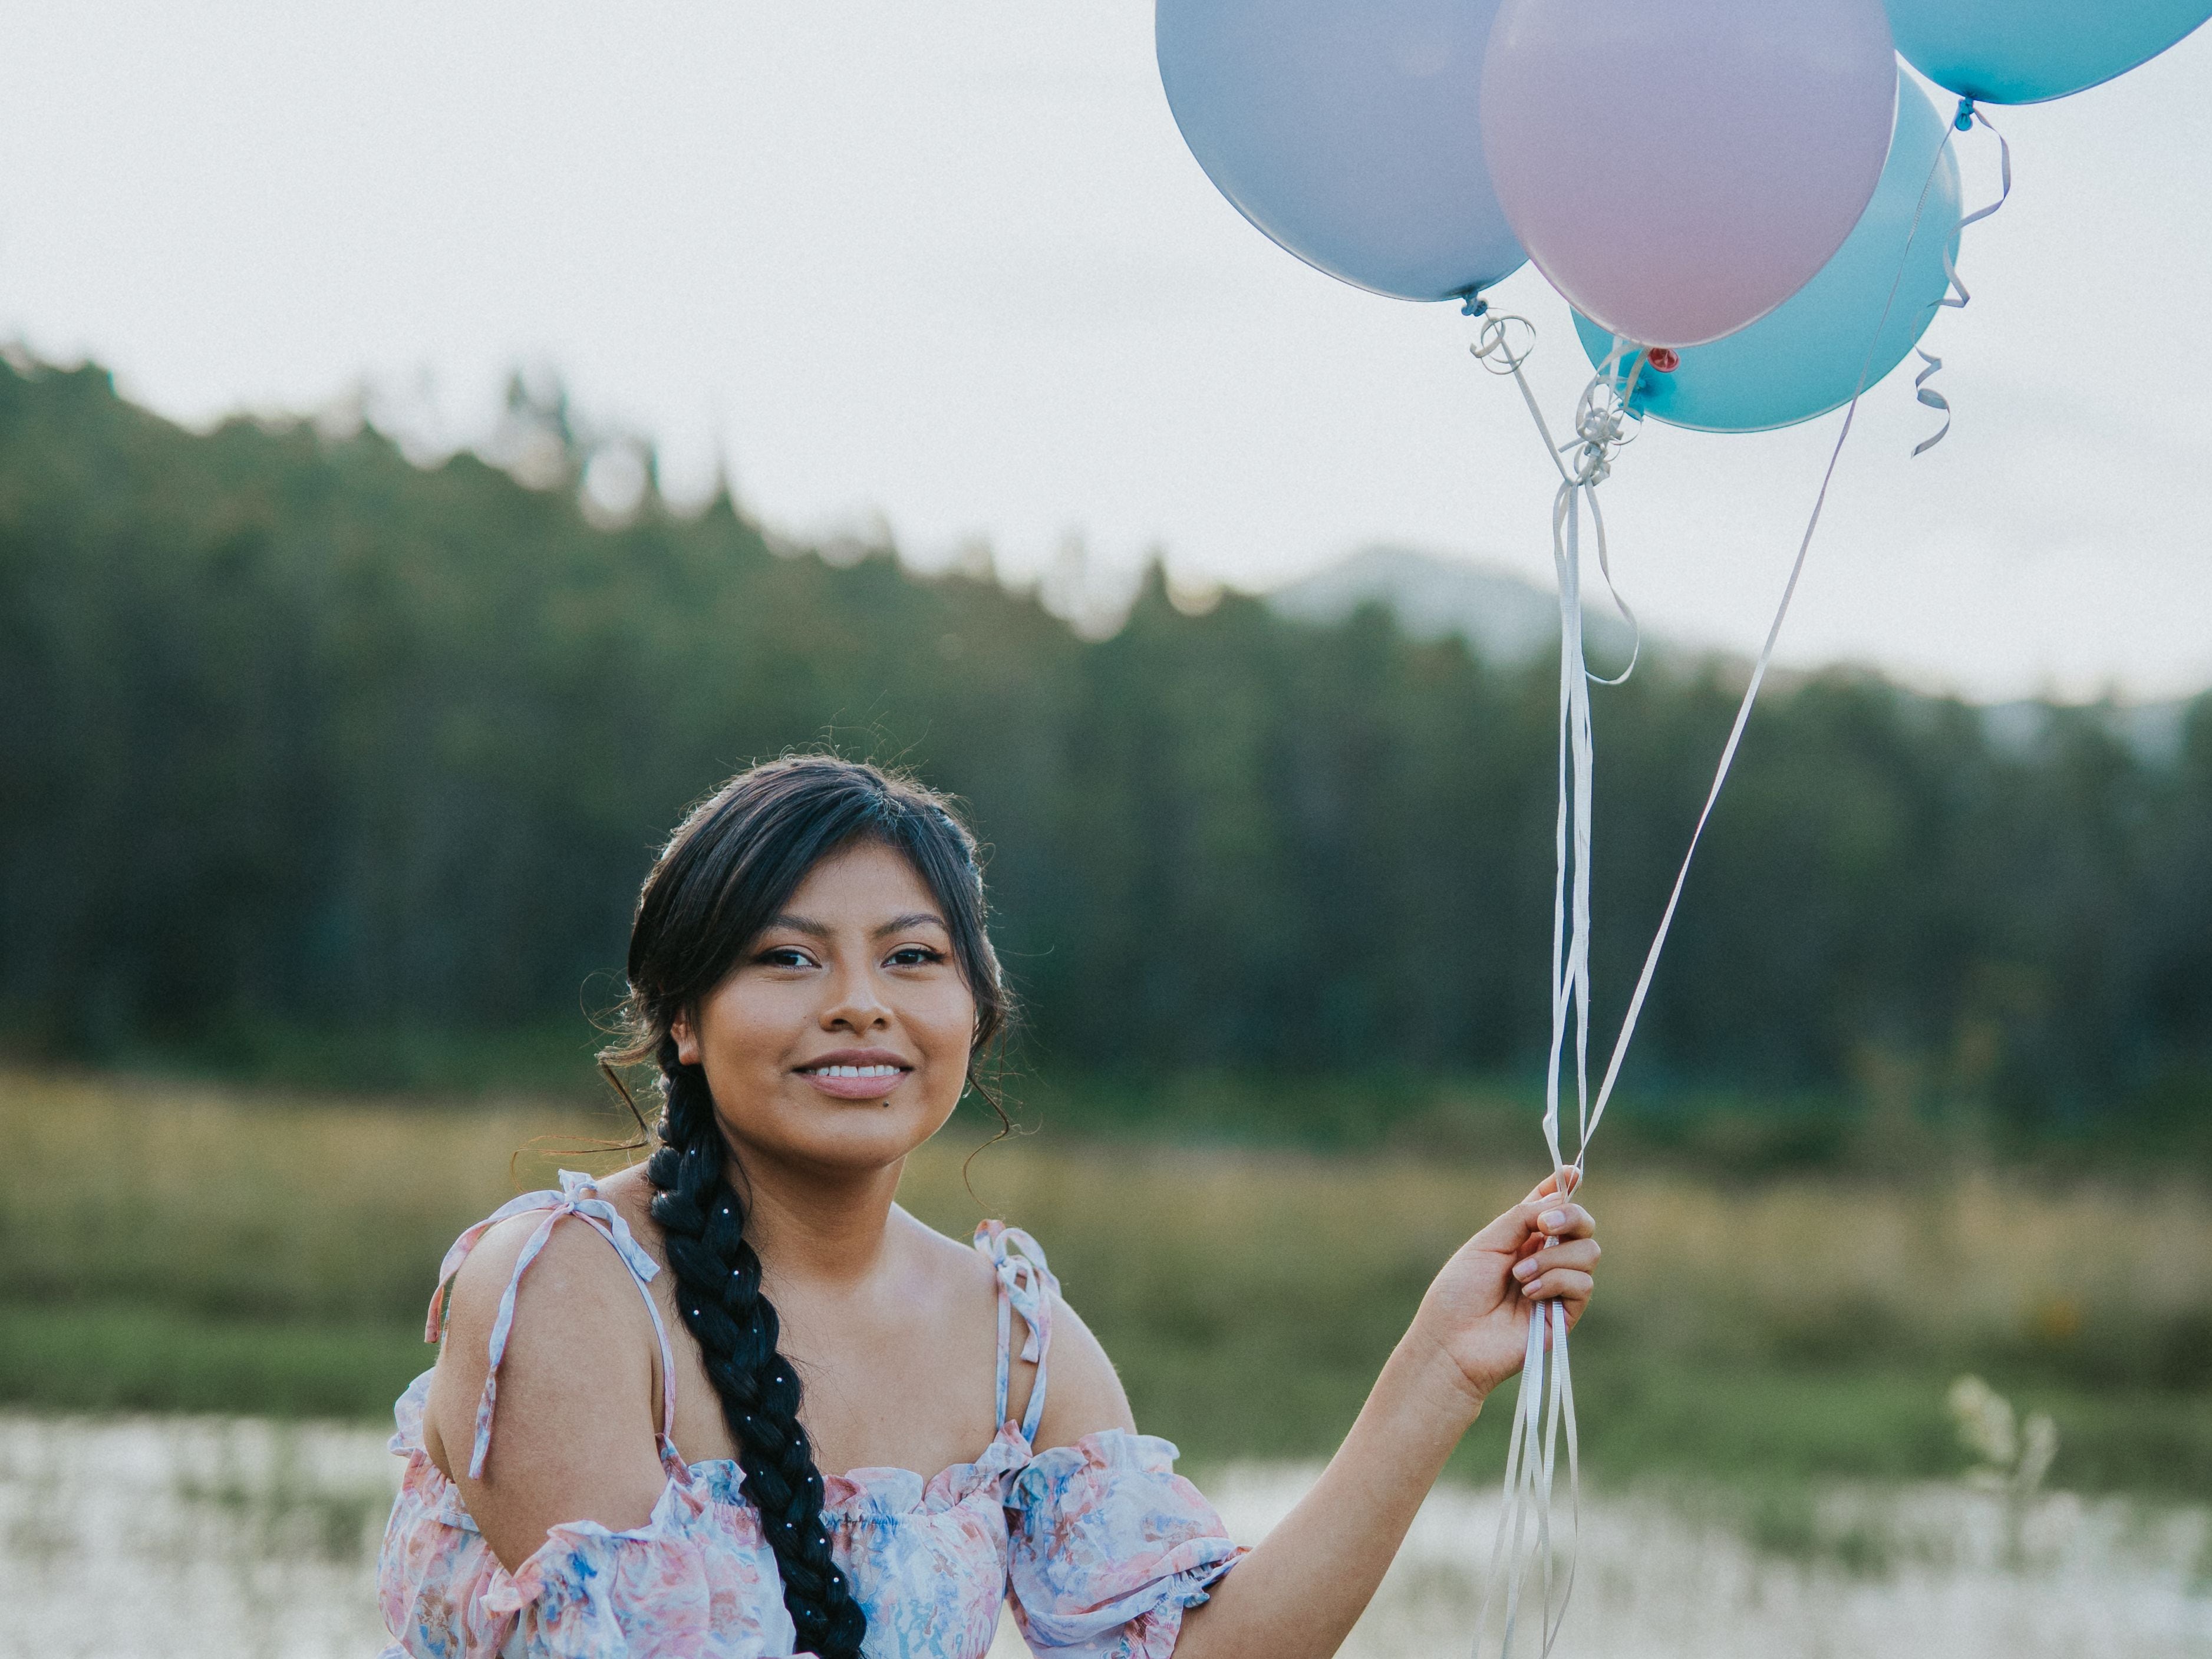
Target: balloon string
[
  {"x": 1971, "y": 111},
  {"x": 1929, "y": 398},
  {"x": 1602, "y": 423},
  {"x": 1494, "y": 350},
  {"x": 1955, "y": 294},
  {"x": 1565, "y": 1400},
  {"x": 1759, "y": 671},
  {"x": 1601, "y": 416}
]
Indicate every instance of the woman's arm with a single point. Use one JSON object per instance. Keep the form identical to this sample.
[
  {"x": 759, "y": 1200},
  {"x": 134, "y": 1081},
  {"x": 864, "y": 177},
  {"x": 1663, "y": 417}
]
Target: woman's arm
[
  {"x": 1298, "y": 1594},
  {"x": 573, "y": 1434}
]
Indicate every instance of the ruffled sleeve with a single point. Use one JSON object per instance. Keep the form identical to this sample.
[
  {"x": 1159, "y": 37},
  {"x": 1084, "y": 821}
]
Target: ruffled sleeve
[
  {"x": 697, "y": 1581},
  {"x": 673, "y": 1588},
  {"x": 1109, "y": 1546},
  {"x": 589, "y": 1592}
]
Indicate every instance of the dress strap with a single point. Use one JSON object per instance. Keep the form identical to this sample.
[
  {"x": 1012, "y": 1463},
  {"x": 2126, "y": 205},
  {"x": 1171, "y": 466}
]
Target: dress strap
[
  {"x": 579, "y": 1196},
  {"x": 1025, "y": 1285}
]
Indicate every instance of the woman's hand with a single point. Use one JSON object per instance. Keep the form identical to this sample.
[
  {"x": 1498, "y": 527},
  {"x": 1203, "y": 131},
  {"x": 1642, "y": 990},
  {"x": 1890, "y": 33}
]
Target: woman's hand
[
  {"x": 1297, "y": 1595},
  {"x": 1477, "y": 1308}
]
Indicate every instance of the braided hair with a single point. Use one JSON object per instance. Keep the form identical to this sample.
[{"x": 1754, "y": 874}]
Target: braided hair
[{"x": 731, "y": 866}]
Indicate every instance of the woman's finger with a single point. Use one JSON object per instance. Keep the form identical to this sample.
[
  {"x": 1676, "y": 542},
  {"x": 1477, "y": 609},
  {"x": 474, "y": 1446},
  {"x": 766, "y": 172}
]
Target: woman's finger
[
  {"x": 1564, "y": 1221},
  {"x": 1563, "y": 1282},
  {"x": 1550, "y": 1184},
  {"x": 1535, "y": 1219},
  {"x": 1581, "y": 1254}
]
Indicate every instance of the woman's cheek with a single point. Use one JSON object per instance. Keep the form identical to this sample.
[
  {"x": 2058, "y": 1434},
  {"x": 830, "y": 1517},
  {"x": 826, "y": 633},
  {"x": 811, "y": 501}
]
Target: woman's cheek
[
  {"x": 761, "y": 1019},
  {"x": 945, "y": 1027},
  {"x": 953, "y": 1019}
]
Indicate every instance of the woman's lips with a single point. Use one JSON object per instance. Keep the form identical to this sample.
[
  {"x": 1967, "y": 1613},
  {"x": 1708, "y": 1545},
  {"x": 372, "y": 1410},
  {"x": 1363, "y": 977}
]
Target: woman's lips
[{"x": 855, "y": 1081}]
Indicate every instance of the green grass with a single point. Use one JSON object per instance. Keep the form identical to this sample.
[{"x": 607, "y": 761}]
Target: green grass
[
  {"x": 256, "y": 1253},
  {"x": 1753, "y": 1429},
  {"x": 109, "y": 1358}
]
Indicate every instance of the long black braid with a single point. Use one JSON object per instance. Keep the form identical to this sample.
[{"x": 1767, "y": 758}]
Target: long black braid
[
  {"x": 718, "y": 1289},
  {"x": 731, "y": 866}
]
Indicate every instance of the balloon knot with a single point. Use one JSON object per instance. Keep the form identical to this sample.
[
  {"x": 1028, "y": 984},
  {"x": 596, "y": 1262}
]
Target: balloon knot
[
  {"x": 1474, "y": 305},
  {"x": 1602, "y": 425},
  {"x": 1493, "y": 348},
  {"x": 1964, "y": 120},
  {"x": 1665, "y": 359}
]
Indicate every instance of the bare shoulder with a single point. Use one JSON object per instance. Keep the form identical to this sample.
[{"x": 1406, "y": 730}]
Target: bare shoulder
[
  {"x": 946, "y": 1276},
  {"x": 572, "y": 1287},
  {"x": 574, "y": 1434},
  {"x": 1083, "y": 1393},
  {"x": 954, "y": 1263}
]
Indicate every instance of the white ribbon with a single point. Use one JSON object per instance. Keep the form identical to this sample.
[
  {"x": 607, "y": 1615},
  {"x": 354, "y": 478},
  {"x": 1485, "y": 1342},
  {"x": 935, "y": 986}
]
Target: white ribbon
[
  {"x": 1602, "y": 425},
  {"x": 1955, "y": 294},
  {"x": 1932, "y": 398}
]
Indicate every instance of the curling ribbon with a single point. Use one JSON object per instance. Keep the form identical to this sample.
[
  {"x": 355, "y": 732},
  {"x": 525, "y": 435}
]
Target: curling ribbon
[
  {"x": 1956, "y": 295},
  {"x": 1544, "y": 1402},
  {"x": 1933, "y": 398},
  {"x": 1544, "y": 1399}
]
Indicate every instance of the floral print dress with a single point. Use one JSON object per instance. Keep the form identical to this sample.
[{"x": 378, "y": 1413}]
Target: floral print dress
[{"x": 1100, "y": 1545}]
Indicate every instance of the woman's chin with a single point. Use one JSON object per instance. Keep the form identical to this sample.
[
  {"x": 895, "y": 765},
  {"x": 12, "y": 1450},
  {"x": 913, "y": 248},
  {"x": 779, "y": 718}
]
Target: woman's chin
[{"x": 820, "y": 1128}]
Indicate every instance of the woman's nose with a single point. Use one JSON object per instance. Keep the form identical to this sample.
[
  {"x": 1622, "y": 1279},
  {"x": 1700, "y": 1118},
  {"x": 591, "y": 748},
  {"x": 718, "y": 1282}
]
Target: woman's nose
[{"x": 856, "y": 1004}]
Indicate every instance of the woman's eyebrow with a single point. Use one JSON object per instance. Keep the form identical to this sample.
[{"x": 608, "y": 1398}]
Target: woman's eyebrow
[
  {"x": 913, "y": 919},
  {"x": 799, "y": 925}
]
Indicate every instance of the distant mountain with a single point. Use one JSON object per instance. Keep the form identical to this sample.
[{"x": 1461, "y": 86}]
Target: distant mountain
[
  {"x": 2153, "y": 731},
  {"x": 1508, "y": 618},
  {"x": 1505, "y": 617}
]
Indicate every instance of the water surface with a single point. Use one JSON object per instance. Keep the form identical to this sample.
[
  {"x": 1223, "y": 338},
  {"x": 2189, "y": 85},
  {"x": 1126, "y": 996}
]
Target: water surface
[{"x": 182, "y": 1537}]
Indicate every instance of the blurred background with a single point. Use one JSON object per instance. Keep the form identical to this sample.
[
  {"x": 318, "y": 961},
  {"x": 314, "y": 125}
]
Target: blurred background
[{"x": 435, "y": 450}]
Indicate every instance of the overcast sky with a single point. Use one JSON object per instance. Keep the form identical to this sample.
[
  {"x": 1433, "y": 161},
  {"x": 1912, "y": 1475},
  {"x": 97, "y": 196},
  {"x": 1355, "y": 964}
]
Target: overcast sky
[{"x": 951, "y": 266}]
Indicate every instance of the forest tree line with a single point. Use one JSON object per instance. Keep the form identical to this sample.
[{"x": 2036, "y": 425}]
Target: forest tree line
[{"x": 295, "y": 733}]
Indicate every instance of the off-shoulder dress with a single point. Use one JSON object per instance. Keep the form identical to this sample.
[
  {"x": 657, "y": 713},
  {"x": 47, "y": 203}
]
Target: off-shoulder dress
[{"x": 1100, "y": 1545}]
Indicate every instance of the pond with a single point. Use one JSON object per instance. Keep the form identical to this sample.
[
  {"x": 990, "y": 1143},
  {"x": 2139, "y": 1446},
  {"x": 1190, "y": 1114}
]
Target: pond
[{"x": 181, "y": 1537}]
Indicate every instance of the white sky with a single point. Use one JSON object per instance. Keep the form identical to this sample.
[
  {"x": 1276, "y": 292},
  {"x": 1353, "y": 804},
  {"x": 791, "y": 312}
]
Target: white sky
[{"x": 952, "y": 265}]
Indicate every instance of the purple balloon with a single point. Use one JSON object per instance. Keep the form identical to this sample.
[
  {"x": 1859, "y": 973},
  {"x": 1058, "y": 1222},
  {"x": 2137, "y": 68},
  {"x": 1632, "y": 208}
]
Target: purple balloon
[{"x": 1678, "y": 168}]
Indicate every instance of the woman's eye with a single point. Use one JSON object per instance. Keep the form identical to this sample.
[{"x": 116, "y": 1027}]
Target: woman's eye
[
  {"x": 786, "y": 957},
  {"x": 915, "y": 956}
]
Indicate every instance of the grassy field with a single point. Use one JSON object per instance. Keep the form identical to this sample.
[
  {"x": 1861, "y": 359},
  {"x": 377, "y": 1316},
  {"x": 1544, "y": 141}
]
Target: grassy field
[{"x": 170, "y": 1247}]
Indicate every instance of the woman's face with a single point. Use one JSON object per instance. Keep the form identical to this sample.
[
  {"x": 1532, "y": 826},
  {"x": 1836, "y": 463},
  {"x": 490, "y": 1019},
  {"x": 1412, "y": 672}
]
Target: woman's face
[{"x": 840, "y": 1039}]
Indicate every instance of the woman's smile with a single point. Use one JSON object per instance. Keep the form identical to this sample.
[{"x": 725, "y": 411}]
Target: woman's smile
[{"x": 856, "y": 1074}]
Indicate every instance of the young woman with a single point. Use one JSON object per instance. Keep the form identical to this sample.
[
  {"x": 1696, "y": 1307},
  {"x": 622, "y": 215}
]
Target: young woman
[{"x": 811, "y": 972}]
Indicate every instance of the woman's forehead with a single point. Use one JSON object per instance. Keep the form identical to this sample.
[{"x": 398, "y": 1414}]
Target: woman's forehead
[{"x": 867, "y": 883}]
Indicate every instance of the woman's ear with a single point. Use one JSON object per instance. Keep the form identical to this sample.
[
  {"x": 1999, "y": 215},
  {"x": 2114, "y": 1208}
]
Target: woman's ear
[{"x": 687, "y": 1038}]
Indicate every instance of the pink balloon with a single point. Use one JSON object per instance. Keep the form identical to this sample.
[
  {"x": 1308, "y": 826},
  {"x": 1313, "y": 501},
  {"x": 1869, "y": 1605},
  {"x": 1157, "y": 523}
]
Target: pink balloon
[{"x": 1679, "y": 168}]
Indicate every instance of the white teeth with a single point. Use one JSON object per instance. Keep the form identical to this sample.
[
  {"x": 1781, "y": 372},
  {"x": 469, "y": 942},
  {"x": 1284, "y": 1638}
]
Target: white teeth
[{"x": 856, "y": 1071}]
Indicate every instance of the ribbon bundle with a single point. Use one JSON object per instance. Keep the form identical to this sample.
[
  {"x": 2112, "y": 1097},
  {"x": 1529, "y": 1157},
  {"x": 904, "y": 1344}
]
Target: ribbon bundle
[{"x": 1605, "y": 420}]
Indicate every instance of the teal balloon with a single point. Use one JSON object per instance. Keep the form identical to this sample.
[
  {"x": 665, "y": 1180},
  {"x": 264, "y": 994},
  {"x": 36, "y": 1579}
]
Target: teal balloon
[
  {"x": 2022, "y": 52},
  {"x": 1804, "y": 357}
]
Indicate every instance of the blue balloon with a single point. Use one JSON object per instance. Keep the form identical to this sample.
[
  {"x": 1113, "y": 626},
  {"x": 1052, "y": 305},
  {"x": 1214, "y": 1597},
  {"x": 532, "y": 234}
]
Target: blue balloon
[
  {"x": 2022, "y": 52},
  {"x": 1805, "y": 357},
  {"x": 1348, "y": 131}
]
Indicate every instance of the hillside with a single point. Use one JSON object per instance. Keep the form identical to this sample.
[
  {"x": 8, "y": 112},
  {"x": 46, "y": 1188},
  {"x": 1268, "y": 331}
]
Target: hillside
[
  {"x": 1508, "y": 619},
  {"x": 307, "y": 749}
]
